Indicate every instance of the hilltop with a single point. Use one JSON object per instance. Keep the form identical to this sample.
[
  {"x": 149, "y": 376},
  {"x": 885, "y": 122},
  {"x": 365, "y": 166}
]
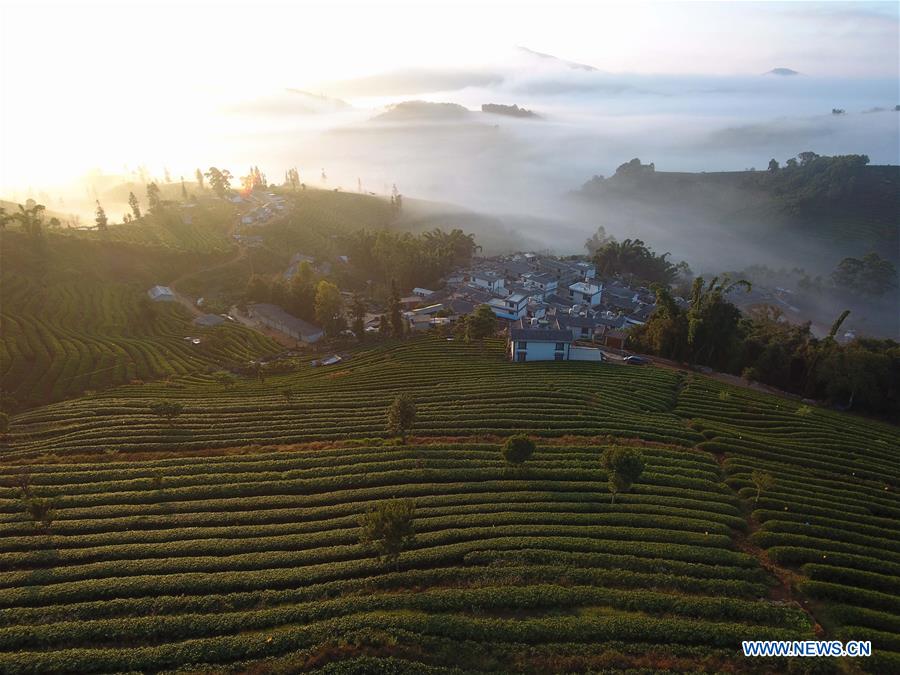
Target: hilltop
[
  {"x": 410, "y": 111},
  {"x": 784, "y": 72},
  {"x": 508, "y": 110},
  {"x": 228, "y": 538}
]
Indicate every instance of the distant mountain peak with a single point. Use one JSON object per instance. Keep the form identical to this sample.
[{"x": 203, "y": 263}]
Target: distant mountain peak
[
  {"x": 549, "y": 57},
  {"x": 782, "y": 71},
  {"x": 319, "y": 100}
]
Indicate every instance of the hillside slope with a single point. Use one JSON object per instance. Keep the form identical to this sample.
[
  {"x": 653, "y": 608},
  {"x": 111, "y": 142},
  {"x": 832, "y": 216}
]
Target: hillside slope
[
  {"x": 76, "y": 317},
  {"x": 838, "y": 211},
  {"x": 227, "y": 539}
]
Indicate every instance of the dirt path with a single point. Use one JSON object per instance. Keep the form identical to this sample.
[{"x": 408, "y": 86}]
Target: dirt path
[{"x": 787, "y": 579}]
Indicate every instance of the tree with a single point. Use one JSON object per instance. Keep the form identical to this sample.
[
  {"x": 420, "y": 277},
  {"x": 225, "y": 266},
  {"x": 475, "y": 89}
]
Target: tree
[
  {"x": 198, "y": 175},
  {"x": 101, "y": 220},
  {"x": 168, "y": 410},
  {"x": 4, "y": 423},
  {"x": 773, "y": 165},
  {"x": 31, "y": 218},
  {"x": 396, "y": 316},
  {"x": 184, "y": 194},
  {"x": 219, "y": 181},
  {"x": 762, "y": 480},
  {"x": 480, "y": 324},
  {"x": 135, "y": 205},
  {"x": 518, "y": 449},
  {"x": 633, "y": 258},
  {"x": 329, "y": 304},
  {"x": 41, "y": 511},
  {"x": 807, "y": 158},
  {"x": 871, "y": 275},
  {"x": 388, "y": 528},
  {"x": 791, "y": 163},
  {"x": 292, "y": 178},
  {"x": 713, "y": 322},
  {"x": 623, "y": 466},
  {"x": 401, "y": 416},
  {"x": 359, "y": 316},
  {"x": 598, "y": 240},
  {"x": 154, "y": 198}
]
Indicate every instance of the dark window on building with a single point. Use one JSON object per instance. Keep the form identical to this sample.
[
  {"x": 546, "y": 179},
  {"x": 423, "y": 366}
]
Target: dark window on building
[
  {"x": 520, "y": 356},
  {"x": 560, "y": 346},
  {"x": 559, "y": 357},
  {"x": 523, "y": 345}
]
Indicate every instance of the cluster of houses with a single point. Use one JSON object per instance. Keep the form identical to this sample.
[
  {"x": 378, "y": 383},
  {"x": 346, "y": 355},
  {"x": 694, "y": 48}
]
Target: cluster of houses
[
  {"x": 263, "y": 208},
  {"x": 548, "y": 303}
]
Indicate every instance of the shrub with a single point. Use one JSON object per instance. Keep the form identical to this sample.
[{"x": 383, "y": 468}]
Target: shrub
[
  {"x": 518, "y": 449},
  {"x": 624, "y": 466},
  {"x": 388, "y": 528}
]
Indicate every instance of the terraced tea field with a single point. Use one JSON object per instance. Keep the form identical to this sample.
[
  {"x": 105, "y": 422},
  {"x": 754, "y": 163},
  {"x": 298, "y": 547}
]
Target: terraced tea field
[
  {"x": 72, "y": 323},
  {"x": 227, "y": 539}
]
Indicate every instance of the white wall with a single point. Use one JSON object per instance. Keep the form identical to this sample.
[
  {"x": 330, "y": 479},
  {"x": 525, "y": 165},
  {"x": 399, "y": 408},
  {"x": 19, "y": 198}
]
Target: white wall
[
  {"x": 539, "y": 351},
  {"x": 585, "y": 354}
]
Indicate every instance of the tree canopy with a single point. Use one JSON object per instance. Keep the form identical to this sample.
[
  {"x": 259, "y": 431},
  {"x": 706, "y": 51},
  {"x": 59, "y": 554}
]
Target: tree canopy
[
  {"x": 632, "y": 258},
  {"x": 623, "y": 466},
  {"x": 410, "y": 260},
  {"x": 329, "y": 307},
  {"x": 401, "y": 416},
  {"x": 518, "y": 449},
  {"x": 388, "y": 528},
  {"x": 871, "y": 275}
]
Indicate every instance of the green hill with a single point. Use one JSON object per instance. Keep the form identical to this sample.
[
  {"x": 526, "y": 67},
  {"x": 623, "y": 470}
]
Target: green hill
[
  {"x": 830, "y": 204},
  {"x": 227, "y": 540}
]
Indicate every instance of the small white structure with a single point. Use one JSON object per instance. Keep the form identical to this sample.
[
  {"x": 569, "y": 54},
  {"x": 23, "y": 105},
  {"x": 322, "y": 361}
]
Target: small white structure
[
  {"x": 422, "y": 292},
  {"x": 583, "y": 292},
  {"x": 577, "y": 353},
  {"x": 161, "y": 294}
]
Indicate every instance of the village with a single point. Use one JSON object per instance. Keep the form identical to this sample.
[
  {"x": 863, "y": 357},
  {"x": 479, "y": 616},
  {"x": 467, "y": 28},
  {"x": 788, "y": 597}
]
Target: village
[{"x": 548, "y": 307}]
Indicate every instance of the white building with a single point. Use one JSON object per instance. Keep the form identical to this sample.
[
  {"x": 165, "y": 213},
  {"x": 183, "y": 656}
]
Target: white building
[
  {"x": 544, "y": 281},
  {"x": 583, "y": 292},
  {"x": 538, "y": 344},
  {"x": 511, "y": 308},
  {"x": 491, "y": 282}
]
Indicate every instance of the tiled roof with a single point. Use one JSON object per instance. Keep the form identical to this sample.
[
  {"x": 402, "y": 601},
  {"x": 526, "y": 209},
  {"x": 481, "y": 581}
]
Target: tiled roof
[{"x": 540, "y": 334}]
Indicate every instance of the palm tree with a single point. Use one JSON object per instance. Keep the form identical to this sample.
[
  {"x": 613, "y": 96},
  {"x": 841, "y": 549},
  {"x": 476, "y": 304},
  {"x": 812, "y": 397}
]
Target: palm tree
[{"x": 31, "y": 218}]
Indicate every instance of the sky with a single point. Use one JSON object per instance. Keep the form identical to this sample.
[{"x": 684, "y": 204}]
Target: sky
[{"x": 122, "y": 83}]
